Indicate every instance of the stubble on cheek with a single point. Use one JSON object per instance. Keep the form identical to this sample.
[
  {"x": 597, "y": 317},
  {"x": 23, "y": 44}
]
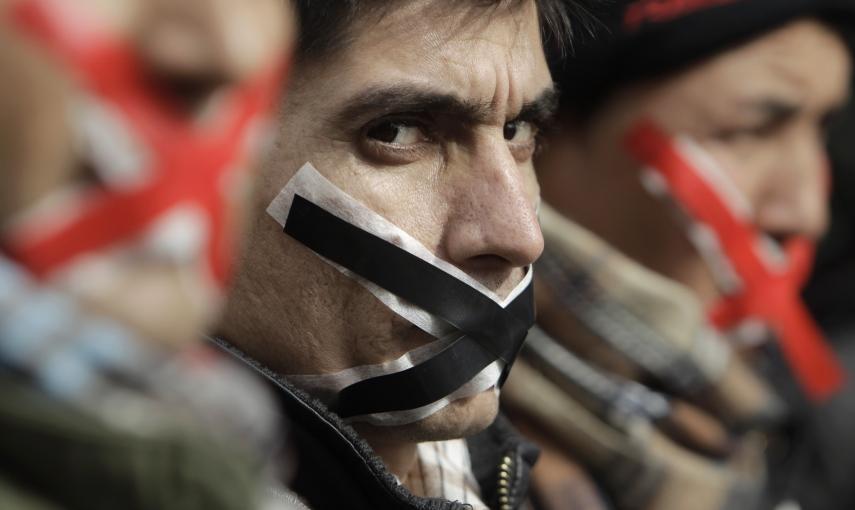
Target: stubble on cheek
[
  {"x": 334, "y": 323},
  {"x": 374, "y": 333}
]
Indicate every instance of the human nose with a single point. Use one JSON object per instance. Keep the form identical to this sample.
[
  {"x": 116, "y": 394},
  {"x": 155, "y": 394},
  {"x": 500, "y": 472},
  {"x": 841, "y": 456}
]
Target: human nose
[
  {"x": 494, "y": 223},
  {"x": 795, "y": 203}
]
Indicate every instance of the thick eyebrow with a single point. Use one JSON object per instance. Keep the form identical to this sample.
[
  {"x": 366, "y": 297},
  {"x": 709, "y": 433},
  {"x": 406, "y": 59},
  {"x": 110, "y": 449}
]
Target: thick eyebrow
[
  {"x": 542, "y": 109},
  {"x": 414, "y": 99}
]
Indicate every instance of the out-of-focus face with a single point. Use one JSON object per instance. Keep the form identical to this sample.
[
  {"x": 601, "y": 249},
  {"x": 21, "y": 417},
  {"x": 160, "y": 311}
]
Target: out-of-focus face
[
  {"x": 430, "y": 122},
  {"x": 191, "y": 53},
  {"x": 759, "y": 109}
]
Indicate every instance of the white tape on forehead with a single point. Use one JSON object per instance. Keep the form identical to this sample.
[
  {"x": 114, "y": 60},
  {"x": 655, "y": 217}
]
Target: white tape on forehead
[{"x": 311, "y": 185}]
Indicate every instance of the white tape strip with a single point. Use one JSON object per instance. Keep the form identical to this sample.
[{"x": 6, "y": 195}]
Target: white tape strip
[
  {"x": 485, "y": 380},
  {"x": 715, "y": 175},
  {"x": 326, "y": 386},
  {"x": 311, "y": 185},
  {"x": 702, "y": 237},
  {"x": 711, "y": 171}
]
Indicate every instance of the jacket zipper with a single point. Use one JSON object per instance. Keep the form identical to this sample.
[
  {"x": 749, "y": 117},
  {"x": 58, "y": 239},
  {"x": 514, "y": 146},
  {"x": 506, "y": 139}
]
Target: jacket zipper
[{"x": 506, "y": 500}]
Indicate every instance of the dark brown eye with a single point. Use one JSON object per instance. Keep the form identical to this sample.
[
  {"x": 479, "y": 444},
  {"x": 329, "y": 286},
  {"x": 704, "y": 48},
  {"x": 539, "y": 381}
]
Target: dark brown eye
[
  {"x": 510, "y": 130},
  {"x": 397, "y": 140},
  {"x": 397, "y": 133},
  {"x": 519, "y": 131},
  {"x": 521, "y": 137}
]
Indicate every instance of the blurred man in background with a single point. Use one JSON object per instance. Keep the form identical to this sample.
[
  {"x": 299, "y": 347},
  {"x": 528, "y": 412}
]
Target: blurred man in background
[
  {"x": 128, "y": 132},
  {"x": 386, "y": 287},
  {"x": 685, "y": 188}
]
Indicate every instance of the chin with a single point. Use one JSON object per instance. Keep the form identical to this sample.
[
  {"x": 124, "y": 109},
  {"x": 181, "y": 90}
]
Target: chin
[{"x": 462, "y": 418}]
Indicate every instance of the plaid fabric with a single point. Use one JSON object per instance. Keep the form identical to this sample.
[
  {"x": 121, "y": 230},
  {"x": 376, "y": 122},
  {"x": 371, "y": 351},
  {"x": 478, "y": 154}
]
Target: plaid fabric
[
  {"x": 637, "y": 464},
  {"x": 444, "y": 470},
  {"x": 624, "y": 315},
  {"x": 649, "y": 322}
]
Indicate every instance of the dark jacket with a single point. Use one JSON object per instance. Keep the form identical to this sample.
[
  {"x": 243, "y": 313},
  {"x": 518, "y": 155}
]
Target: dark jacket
[{"x": 336, "y": 469}]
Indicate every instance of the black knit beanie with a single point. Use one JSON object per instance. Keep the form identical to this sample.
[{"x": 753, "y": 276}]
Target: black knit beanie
[{"x": 639, "y": 39}]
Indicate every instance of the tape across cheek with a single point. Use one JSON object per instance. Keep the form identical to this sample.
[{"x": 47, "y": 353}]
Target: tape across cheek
[
  {"x": 309, "y": 185},
  {"x": 480, "y": 333},
  {"x": 326, "y": 387}
]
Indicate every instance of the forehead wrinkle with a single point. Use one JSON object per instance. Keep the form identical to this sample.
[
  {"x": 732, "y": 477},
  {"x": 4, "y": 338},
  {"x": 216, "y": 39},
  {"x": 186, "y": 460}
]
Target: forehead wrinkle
[
  {"x": 524, "y": 42},
  {"x": 783, "y": 69},
  {"x": 445, "y": 60},
  {"x": 809, "y": 82},
  {"x": 509, "y": 79},
  {"x": 770, "y": 86},
  {"x": 810, "y": 90}
]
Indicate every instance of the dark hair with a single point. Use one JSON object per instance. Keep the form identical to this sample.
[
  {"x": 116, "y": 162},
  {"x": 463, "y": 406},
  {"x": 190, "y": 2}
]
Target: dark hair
[
  {"x": 621, "y": 54},
  {"x": 325, "y": 24}
]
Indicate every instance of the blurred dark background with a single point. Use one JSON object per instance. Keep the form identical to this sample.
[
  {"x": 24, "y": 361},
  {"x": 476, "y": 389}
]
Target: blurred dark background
[
  {"x": 831, "y": 293},
  {"x": 820, "y": 455}
]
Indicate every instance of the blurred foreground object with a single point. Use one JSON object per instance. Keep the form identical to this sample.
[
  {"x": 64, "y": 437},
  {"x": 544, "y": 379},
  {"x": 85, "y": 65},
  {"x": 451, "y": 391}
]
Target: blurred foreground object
[{"x": 128, "y": 134}]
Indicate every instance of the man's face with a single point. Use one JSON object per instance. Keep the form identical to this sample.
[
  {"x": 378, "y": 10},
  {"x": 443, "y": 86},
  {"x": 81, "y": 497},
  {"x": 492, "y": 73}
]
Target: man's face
[
  {"x": 432, "y": 125},
  {"x": 190, "y": 52},
  {"x": 760, "y": 110}
]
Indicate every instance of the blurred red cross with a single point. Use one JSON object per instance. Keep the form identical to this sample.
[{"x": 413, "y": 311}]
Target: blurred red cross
[
  {"x": 189, "y": 163},
  {"x": 768, "y": 293}
]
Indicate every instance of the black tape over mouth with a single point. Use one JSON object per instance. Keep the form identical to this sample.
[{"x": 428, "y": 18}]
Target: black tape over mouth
[{"x": 488, "y": 332}]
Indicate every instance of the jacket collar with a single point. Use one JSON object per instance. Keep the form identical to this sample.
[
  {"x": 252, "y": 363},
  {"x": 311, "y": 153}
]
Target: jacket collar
[{"x": 328, "y": 447}]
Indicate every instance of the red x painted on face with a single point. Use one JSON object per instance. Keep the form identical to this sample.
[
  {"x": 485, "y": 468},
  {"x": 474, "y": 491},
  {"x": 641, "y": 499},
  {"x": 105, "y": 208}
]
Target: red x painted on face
[
  {"x": 189, "y": 163},
  {"x": 769, "y": 291}
]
